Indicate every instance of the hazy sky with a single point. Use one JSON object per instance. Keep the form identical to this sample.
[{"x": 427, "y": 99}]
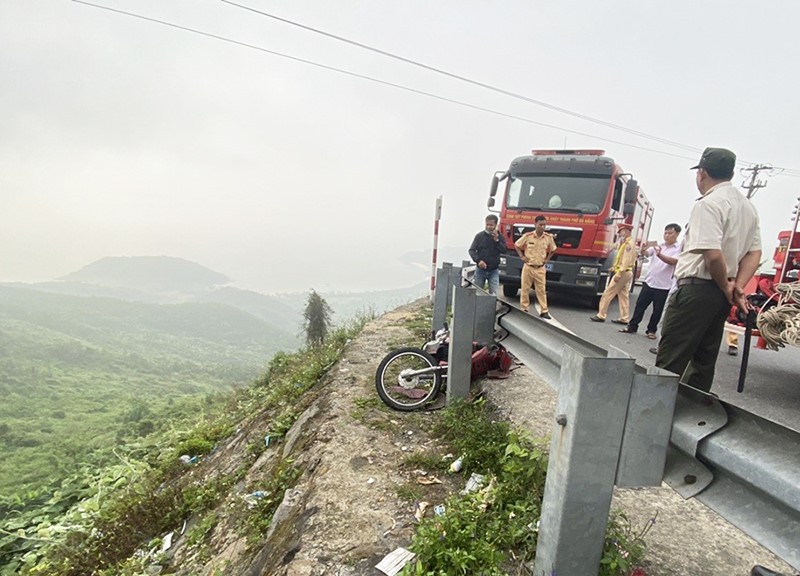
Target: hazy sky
[{"x": 123, "y": 137}]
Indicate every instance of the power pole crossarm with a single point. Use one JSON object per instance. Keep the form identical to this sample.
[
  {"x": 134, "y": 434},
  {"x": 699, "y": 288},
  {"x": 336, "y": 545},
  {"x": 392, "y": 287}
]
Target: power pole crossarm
[{"x": 754, "y": 184}]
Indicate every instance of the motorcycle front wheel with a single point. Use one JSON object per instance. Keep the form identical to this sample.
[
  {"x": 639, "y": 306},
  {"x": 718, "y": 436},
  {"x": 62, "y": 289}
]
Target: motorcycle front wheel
[{"x": 400, "y": 385}]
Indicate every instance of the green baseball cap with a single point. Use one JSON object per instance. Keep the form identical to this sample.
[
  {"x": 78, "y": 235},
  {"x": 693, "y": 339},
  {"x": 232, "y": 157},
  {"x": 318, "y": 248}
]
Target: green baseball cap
[{"x": 717, "y": 160}]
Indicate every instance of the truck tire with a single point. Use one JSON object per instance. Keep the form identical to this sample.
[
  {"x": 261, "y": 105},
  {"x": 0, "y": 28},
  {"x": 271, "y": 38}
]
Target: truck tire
[{"x": 510, "y": 291}]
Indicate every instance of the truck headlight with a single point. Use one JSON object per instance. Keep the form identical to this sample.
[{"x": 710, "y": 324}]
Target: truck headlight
[{"x": 587, "y": 271}]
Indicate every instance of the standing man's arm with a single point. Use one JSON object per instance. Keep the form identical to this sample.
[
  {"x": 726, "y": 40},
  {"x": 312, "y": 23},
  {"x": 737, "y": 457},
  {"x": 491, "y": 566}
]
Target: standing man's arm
[
  {"x": 747, "y": 268},
  {"x": 718, "y": 268},
  {"x": 551, "y": 249},
  {"x": 473, "y": 248},
  {"x": 669, "y": 260},
  {"x": 519, "y": 247},
  {"x": 501, "y": 244}
]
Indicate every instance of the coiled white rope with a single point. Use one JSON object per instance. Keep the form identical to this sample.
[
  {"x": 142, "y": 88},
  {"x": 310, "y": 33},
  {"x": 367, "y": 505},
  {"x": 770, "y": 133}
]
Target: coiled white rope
[{"x": 780, "y": 325}]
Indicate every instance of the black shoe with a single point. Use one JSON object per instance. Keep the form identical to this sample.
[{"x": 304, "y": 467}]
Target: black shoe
[
  {"x": 619, "y": 322},
  {"x": 653, "y": 350},
  {"x": 627, "y": 331},
  {"x": 761, "y": 571},
  {"x": 733, "y": 351},
  {"x": 545, "y": 315},
  {"x": 597, "y": 319}
]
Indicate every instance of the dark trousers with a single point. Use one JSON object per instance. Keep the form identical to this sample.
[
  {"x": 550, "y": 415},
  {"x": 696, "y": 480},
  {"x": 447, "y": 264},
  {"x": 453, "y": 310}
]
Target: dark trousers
[
  {"x": 646, "y": 297},
  {"x": 692, "y": 333}
]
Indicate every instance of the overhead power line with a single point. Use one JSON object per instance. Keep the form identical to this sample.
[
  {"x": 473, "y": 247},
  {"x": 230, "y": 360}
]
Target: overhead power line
[
  {"x": 784, "y": 171},
  {"x": 468, "y": 80},
  {"x": 372, "y": 79}
]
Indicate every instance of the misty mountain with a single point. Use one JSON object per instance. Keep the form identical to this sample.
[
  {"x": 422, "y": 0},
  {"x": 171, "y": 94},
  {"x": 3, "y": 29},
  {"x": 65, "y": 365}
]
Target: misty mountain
[
  {"x": 168, "y": 280},
  {"x": 149, "y": 274}
]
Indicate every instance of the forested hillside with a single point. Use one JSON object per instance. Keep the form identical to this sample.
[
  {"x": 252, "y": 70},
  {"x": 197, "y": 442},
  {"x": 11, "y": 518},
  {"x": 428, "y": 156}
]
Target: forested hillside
[
  {"x": 101, "y": 355},
  {"x": 76, "y": 373}
]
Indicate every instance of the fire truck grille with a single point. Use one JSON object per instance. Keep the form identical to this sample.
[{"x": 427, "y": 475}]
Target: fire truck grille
[{"x": 565, "y": 237}]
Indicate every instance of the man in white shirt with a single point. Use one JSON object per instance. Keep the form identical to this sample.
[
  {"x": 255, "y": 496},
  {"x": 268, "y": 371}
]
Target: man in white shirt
[
  {"x": 657, "y": 283},
  {"x": 721, "y": 252}
]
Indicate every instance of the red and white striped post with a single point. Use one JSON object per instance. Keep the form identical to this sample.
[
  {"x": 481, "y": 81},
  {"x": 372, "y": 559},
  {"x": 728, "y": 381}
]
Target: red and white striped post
[{"x": 437, "y": 216}]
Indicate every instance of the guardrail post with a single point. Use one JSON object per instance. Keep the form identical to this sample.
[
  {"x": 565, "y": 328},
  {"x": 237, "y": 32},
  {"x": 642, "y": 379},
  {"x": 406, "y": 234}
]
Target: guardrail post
[
  {"x": 442, "y": 296},
  {"x": 459, "y": 359},
  {"x": 485, "y": 313},
  {"x": 584, "y": 452},
  {"x": 647, "y": 429}
]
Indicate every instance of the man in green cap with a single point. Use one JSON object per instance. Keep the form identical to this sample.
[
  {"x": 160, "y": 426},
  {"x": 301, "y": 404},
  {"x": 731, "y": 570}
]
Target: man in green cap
[{"x": 721, "y": 252}]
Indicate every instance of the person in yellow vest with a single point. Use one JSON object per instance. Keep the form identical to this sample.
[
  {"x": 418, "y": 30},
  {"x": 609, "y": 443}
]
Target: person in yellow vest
[
  {"x": 535, "y": 249},
  {"x": 620, "y": 283}
]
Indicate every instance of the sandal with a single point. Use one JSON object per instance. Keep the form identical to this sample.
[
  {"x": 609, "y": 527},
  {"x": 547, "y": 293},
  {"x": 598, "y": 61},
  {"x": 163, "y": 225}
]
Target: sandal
[{"x": 651, "y": 335}]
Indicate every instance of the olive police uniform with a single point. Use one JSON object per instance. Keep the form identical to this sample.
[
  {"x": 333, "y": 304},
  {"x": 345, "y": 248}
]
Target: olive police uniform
[{"x": 724, "y": 220}]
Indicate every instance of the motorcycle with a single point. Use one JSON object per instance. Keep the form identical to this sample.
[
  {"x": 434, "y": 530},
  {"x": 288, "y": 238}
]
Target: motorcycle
[{"x": 409, "y": 378}]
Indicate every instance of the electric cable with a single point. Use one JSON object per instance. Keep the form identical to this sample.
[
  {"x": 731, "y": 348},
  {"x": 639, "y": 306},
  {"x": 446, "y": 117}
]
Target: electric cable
[
  {"x": 468, "y": 80},
  {"x": 376, "y": 80}
]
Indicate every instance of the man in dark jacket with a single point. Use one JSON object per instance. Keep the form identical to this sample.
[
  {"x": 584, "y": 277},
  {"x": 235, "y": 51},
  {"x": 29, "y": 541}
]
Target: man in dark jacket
[{"x": 485, "y": 252}]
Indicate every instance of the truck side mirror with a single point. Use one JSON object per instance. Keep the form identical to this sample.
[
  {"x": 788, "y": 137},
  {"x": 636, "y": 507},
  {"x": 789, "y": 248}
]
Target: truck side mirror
[
  {"x": 631, "y": 191},
  {"x": 493, "y": 187},
  {"x": 629, "y": 208},
  {"x": 490, "y": 202}
]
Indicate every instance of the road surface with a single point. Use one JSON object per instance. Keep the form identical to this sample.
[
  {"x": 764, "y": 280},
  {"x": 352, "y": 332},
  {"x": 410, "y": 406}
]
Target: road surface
[{"x": 772, "y": 386}]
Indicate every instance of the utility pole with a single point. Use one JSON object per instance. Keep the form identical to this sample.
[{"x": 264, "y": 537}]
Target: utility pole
[{"x": 754, "y": 183}]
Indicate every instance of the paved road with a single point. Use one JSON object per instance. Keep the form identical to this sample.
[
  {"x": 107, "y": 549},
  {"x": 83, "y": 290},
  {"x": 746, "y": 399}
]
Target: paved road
[{"x": 772, "y": 387}]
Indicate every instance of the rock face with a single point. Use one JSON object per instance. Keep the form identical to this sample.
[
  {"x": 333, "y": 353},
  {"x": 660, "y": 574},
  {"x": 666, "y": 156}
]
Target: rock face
[{"x": 343, "y": 514}]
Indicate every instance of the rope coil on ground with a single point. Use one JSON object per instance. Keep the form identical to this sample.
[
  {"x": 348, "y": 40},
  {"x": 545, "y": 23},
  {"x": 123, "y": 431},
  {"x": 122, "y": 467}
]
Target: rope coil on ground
[{"x": 780, "y": 325}]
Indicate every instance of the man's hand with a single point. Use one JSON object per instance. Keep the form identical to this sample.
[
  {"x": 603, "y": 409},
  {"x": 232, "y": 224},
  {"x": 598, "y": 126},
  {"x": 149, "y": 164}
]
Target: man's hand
[
  {"x": 495, "y": 236},
  {"x": 482, "y": 265},
  {"x": 740, "y": 300}
]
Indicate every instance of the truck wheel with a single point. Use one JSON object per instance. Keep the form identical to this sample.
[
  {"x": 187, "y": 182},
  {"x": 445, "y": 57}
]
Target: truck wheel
[{"x": 510, "y": 291}]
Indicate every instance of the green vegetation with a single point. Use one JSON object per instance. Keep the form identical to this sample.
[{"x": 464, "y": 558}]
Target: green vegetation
[
  {"x": 316, "y": 319},
  {"x": 493, "y": 530},
  {"x": 80, "y": 375},
  {"x": 98, "y": 518}
]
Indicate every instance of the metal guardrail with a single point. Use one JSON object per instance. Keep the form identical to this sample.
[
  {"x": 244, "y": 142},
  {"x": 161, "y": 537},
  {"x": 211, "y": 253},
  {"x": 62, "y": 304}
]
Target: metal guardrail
[{"x": 744, "y": 467}]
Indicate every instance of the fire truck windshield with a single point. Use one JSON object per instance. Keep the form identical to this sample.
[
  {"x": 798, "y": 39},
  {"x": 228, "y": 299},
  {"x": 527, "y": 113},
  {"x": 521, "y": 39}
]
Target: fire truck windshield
[{"x": 558, "y": 193}]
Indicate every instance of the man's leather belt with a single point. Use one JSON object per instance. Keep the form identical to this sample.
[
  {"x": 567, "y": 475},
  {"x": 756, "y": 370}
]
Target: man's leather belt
[
  {"x": 694, "y": 280},
  {"x": 535, "y": 265}
]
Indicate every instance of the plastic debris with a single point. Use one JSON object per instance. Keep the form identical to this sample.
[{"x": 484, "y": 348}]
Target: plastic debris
[
  {"x": 371, "y": 481},
  {"x": 457, "y": 464},
  {"x": 393, "y": 563},
  {"x": 475, "y": 481},
  {"x": 419, "y": 513},
  {"x": 267, "y": 440},
  {"x": 253, "y": 498},
  {"x": 438, "y": 510},
  {"x": 185, "y": 459},
  {"x": 167, "y": 542}
]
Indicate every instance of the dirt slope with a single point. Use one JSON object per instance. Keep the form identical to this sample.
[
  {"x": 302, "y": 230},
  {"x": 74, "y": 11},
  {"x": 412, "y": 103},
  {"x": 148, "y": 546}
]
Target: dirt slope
[{"x": 346, "y": 512}]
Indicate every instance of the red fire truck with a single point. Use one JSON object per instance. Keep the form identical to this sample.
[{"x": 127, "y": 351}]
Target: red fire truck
[{"x": 583, "y": 194}]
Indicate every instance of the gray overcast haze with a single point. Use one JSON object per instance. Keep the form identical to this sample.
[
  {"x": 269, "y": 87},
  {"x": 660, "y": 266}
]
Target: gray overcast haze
[{"x": 123, "y": 137}]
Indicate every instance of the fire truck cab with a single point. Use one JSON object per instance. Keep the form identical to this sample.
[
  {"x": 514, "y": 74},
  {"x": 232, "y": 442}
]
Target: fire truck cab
[{"x": 584, "y": 195}]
